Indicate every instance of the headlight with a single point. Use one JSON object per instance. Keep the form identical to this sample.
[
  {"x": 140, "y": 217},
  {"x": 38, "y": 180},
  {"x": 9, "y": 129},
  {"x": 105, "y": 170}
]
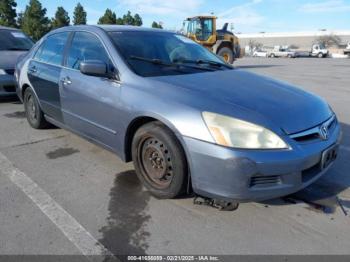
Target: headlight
[
  {"x": 2, "y": 72},
  {"x": 231, "y": 132}
]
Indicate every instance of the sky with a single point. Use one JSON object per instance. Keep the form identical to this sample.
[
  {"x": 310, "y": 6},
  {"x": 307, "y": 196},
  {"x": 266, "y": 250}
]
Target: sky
[{"x": 249, "y": 16}]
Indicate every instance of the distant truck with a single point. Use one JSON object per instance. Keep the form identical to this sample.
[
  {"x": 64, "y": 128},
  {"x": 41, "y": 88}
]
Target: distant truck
[
  {"x": 319, "y": 50},
  {"x": 279, "y": 51},
  {"x": 347, "y": 50}
]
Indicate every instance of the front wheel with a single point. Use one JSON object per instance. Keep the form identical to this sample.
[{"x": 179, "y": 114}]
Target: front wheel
[
  {"x": 320, "y": 55},
  {"x": 159, "y": 160},
  {"x": 227, "y": 54}
]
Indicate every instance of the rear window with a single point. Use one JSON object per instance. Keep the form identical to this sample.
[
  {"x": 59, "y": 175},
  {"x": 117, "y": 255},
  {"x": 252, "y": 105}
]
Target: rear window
[
  {"x": 51, "y": 51},
  {"x": 14, "y": 40}
]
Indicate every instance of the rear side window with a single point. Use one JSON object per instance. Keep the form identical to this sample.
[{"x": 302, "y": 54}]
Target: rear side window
[
  {"x": 86, "y": 46},
  {"x": 51, "y": 51},
  {"x": 14, "y": 40}
]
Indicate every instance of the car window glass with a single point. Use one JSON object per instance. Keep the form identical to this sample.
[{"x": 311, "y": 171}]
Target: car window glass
[
  {"x": 14, "y": 40},
  {"x": 167, "y": 47},
  {"x": 51, "y": 51},
  {"x": 86, "y": 46}
]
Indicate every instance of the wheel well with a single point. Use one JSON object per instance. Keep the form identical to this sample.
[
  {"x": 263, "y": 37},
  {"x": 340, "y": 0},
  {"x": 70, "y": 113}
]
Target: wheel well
[
  {"x": 25, "y": 86},
  {"x": 132, "y": 128},
  {"x": 225, "y": 44}
]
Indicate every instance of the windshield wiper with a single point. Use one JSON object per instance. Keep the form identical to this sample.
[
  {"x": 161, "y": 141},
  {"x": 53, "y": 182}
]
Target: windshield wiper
[
  {"x": 201, "y": 61},
  {"x": 17, "y": 49},
  {"x": 163, "y": 63}
]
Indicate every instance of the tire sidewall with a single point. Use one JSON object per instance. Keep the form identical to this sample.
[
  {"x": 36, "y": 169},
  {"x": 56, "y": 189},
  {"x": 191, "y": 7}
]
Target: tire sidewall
[
  {"x": 228, "y": 51},
  {"x": 39, "y": 115},
  {"x": 177, "y": 185}
]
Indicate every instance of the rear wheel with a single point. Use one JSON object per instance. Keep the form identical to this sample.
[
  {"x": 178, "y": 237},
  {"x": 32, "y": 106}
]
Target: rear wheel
[
  {"x": 34, "y": 114},
  {"x": 227, "y": 54},
  {"x": 159, "y": 160},
  {"x": 320, "y": 55},
  {"x": 272, "y": 55}
]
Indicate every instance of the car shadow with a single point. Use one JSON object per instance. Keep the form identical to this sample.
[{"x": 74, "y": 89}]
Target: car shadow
[
  {"x": 323, "y": 195},
  {"x": 126, "y": 232}
]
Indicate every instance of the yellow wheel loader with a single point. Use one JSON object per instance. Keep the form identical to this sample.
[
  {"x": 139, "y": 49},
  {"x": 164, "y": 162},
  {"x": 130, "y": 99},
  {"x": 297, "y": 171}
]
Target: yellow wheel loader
[{"x": 202, "y": 29}]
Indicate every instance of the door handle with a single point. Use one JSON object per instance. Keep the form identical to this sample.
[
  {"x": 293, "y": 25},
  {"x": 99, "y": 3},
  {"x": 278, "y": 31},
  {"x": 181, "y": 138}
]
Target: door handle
[{"x": 66, "y": 81}]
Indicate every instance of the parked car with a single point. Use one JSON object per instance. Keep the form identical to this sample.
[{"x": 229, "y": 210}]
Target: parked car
[
  {"x": 260, "y": 53},
  {"x": 185, "y": 118},
  {"x": 347, "y": 49},
  {"x": 281, "y": 52},
  {"x": 13, "y": 44}
]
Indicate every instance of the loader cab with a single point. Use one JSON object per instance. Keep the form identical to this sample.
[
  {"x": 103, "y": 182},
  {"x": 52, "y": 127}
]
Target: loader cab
[{"x": 201, "y": 29}]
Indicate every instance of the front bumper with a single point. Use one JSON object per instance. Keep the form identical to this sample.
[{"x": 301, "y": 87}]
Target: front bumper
[
  {"x": 251, "y": 175},
  {"x": 7, "y": 85}
]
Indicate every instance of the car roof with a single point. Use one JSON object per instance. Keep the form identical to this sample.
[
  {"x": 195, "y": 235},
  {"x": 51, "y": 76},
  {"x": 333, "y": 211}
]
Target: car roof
[
  {"x": 111, "y": 28},
  {"x": 9, "y": 28}
]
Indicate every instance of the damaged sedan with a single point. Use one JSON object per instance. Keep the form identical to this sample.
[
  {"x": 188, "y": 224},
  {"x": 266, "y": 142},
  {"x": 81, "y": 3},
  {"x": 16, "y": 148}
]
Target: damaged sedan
[{"x": 187, "y": 120}]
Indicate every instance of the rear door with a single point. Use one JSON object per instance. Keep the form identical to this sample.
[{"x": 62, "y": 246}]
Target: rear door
[
  {"x": 90, "y": 104},
  {"x": 44, "y": 73}
]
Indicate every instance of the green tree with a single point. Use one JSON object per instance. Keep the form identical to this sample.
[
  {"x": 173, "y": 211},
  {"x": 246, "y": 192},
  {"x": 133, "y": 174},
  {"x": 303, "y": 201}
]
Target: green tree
[
  {"x": 109, "y": 18},
  {"x": 120, "y": 21},
  {"x": 8, "y": 13},
  {"x": 34, "y": 22},
  {"x": 128, "y": 19},
  {"x": 137, "y": 20},
  {"x": 61, "y": 18},
  {"x": 79, "y": 15},
  {"x": 156, "y": 25},
  {"x": 20, "y": 19}
]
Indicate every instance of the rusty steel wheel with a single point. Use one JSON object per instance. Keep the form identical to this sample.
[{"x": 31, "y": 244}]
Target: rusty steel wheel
[
  {"x": 156, "y": 162},
  {"x": 159, "y": 160}
]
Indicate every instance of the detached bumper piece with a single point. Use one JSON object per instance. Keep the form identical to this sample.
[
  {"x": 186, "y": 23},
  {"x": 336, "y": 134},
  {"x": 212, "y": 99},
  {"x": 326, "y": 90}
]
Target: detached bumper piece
[{"x": 216, "y": 203}]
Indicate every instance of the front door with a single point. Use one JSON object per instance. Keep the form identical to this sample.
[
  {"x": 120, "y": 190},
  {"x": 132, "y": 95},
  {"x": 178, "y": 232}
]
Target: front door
[{"x": 89, "y": 103}]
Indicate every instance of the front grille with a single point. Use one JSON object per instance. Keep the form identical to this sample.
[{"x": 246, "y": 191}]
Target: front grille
[
  {"x": 10, "y": 71},
  {"x": 263, "y": 181},
  {"x": 10, "y": 88},
  {"x": 308, "y": 137},
  {"x": 314, "y": 133}
]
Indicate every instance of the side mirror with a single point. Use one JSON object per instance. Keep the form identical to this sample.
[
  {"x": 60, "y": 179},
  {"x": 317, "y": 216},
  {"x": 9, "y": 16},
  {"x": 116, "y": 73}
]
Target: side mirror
[{"x": 94, "y": 68}]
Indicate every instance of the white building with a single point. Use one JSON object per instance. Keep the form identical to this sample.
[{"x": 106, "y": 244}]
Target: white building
[{"x": 303, "y": 40}]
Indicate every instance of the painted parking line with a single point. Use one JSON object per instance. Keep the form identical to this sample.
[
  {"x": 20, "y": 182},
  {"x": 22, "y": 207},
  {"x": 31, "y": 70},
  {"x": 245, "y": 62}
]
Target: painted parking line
[{"x": 69, "y": 226}]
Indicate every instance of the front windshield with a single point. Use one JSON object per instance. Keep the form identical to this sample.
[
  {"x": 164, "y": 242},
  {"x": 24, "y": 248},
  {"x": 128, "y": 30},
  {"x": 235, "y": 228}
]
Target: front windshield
[
  {"x": 165, "y": 47},
  {"x": 14, "y": 40}
]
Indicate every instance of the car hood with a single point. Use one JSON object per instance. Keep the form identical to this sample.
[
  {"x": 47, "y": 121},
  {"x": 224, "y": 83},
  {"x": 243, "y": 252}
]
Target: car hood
[
  {"x": 291, "y": 108},
  {"x": 9, "y": 58}
]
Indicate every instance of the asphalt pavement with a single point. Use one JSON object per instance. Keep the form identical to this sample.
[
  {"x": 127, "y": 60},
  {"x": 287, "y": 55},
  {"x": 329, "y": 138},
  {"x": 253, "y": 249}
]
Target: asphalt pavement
[{"x": 60, "y": 194}]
